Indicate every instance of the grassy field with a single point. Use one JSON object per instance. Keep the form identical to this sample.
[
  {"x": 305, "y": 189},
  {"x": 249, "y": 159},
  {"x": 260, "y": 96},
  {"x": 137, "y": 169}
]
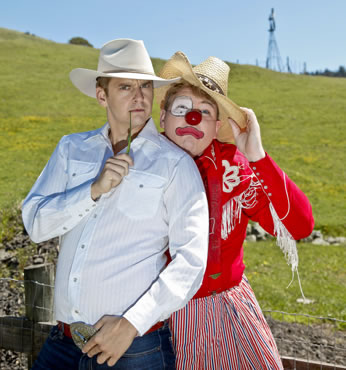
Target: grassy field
[
  {"x": 303, "y": 119},
  {"x": 303, "y": 122},
  {"x": 322, "y": 273}
]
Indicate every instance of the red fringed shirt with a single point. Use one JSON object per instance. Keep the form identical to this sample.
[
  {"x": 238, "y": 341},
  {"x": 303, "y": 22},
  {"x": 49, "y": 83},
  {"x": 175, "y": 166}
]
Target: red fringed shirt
[{"x": 238, "y": 191}]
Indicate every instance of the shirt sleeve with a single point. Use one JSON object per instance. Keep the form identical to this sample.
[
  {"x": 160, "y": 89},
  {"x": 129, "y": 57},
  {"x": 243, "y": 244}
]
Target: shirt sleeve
[
  {"x": 188, "y": 222},
  {"x": 290, "y": 203},
  {"x": 50, "y": 209}
]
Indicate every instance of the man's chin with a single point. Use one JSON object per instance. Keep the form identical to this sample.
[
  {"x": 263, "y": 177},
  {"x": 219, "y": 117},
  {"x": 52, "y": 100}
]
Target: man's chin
[
  {"x": 188, "y": 144},
  {"x": 139, "y": 120}
]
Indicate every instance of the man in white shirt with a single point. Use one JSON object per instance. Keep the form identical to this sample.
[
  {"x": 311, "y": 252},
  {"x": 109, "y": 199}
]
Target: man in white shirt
[{"x": 119, "y": 198}]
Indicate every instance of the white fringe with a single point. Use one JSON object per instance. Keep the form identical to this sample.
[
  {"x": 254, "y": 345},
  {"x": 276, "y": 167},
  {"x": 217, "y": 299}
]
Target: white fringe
[
  {"x": 284, "y": 240},
  {"x": 231, "y": 211},
  {"x": 287, "y": 244}
]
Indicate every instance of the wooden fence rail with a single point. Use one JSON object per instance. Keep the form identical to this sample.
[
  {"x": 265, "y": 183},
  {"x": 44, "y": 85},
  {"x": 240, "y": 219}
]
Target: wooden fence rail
[{"x": 27, "y": 334}]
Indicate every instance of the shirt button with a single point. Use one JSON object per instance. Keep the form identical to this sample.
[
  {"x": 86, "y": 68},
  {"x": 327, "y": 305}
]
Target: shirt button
[
  {"x": 76, "y": 311},
  {"x": 94, "y": 205},
  {"x": 95, "y": 216},
  {"x": 87, "y": 210},
  {"x": 74, "y": 174},
  {"x": 141, "y": 185},
  {"x": 265, "y": 187},
  {"x": 253, "y": 167},
  {"x": 82, "y": 246},
  {"x": 64, "y": 228},
  {"x": 75, "y": 279},
  {"x": 262, "y": 180},
  {"x": 80, "y": 215},
  {"x": 257, "y": 173},
  {"x": 270, "y": 194}
]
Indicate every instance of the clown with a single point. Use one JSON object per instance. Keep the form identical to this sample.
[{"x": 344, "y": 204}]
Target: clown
[{"x": 223, "y": 327}]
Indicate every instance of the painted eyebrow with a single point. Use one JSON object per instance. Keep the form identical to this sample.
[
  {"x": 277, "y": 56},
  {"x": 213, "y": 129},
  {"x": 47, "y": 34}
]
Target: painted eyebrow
[{"x": 208, "y": 102}]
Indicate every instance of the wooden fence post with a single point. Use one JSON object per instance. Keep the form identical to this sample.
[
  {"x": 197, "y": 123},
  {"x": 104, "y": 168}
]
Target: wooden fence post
[{"x": 39, "y": 293}]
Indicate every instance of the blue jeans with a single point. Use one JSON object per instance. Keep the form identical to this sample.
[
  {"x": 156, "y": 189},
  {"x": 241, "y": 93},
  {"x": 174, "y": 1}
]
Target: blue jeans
[{"x": 152, "y": 351}]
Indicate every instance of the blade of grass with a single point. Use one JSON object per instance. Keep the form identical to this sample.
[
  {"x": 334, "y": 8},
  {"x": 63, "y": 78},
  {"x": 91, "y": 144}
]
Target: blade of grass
[{"x": 129, "y": 138}]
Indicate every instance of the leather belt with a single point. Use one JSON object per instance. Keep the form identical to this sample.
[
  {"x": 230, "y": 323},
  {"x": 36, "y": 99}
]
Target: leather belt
[{"x": 65, "y": 328}]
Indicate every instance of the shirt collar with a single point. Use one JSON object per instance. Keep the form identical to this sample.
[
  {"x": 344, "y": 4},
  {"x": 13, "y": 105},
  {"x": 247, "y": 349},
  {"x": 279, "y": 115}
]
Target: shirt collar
[{"x": 149, "y": 132}]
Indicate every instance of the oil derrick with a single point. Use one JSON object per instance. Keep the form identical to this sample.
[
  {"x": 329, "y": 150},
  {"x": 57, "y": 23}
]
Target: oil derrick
[{"x": 273, "y": 56}]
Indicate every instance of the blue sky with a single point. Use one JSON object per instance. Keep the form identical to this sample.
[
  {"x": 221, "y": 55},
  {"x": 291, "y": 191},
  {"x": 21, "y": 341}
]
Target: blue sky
[{"x": 307, "y": 31}]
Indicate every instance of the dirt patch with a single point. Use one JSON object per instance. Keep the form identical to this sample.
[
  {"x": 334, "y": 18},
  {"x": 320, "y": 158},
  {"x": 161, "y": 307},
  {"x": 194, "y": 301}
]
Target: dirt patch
[{"x": 315, "y": 343}]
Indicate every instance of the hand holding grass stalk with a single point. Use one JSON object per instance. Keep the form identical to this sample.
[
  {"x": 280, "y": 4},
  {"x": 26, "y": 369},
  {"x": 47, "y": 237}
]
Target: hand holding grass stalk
[{"x": 129, "y": 138}]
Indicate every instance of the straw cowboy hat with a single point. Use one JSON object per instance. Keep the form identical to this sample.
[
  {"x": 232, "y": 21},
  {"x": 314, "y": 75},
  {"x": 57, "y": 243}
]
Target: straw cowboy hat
[
  {"x": 210, "y": 76},
  {"x": 121, "y": 58}
]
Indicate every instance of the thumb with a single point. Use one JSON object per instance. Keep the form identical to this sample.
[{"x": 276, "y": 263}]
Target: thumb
[
  {"x": 98, "y": 325},
  {"x": 235, "y": 128}
]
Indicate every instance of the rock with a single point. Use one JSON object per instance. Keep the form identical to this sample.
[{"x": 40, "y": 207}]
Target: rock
[
  {"x": 259, "y": 232},
  {"x": 319, "y": 241},
  {"x": 308, "y": 239},
  {"x": 316, "y": 234},
  {"x": 340, "y": 239},
  {"x": 305, "y": 300},
  {"x": 5, "y": 256},
  {"x": 251, "y": 238},
  {"x": 38, "y": 260}
]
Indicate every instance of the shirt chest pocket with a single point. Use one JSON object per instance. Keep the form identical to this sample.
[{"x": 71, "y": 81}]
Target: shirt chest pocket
[
  {"x": 141, "y": 195},
  {"x": 80, "y": 172}
]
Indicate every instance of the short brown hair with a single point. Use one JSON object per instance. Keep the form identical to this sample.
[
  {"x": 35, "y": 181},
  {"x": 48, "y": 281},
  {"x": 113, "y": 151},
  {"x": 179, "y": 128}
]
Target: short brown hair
[
  {"x": 103, "y": 82},
  {"x": 175, "y": 88}
]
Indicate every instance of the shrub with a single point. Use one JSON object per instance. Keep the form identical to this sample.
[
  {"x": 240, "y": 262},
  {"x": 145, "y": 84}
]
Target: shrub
[{"x": 79, "y": 41}]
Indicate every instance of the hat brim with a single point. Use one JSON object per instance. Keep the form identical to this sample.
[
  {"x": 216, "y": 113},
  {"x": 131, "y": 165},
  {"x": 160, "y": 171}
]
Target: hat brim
[
  {"x": 85, "y": 79},
  {"x": 179, "y": 66}
]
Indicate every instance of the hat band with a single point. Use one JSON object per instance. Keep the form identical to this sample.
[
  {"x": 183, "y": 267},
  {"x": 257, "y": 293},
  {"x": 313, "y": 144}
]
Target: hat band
[
  {"x": 128, "y": 71},
  {"x": 210, "y": 84}
]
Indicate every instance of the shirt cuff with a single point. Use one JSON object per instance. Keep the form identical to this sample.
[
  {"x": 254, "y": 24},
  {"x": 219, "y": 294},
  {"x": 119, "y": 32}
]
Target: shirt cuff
[
  {"x": 144, "y": 314},
  {"x": 81, "y": 202}
]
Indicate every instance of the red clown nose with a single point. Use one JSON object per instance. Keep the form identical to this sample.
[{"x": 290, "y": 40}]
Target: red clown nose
[{"x": 194, "y": 117}]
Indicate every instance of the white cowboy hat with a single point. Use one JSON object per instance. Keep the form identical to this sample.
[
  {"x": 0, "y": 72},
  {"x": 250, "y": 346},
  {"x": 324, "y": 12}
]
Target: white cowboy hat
[
  {"x": 121, "y": 58},
  {"x": 210, "y": 76}
]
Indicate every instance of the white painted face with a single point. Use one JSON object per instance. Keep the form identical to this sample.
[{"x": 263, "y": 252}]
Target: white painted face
[{"x": 193, "y": 138}]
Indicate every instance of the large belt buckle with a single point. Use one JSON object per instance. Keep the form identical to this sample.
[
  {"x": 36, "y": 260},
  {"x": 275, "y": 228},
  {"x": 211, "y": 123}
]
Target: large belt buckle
[{"x": 81, "y": 333}]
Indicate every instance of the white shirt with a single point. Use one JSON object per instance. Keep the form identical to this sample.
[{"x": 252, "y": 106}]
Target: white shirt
[{"x": 111, "y": 259}]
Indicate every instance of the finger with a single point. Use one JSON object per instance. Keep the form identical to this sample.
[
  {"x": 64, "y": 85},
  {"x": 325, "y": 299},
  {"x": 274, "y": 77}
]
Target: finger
[
  {"x": 112, "y": 361},
  {"x": 121, "y": 169},
  {"x": 102, "y": 358},
  {"x": 125, "y": 157},
  {"x": 90, "y": 344},
  {"x": 251, "y": 116},
  {"x": 246, "y": 110},
  {"x": 94, "y": 351},
  {"x": 234, "y": 126},
  {"x": 98, "y": 325},
  {"x": 111, "y": 162}
]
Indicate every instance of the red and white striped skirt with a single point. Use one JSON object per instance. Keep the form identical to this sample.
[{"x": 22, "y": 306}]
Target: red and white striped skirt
[{"x": 225, "y": 331}]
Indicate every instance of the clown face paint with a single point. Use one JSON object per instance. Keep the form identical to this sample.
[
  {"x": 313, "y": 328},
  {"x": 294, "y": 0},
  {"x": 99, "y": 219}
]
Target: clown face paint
[{"x": 193, "y": 138}]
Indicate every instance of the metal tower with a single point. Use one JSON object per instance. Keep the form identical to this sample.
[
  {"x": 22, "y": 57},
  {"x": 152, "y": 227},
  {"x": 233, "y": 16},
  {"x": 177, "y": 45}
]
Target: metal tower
[{"x": 273, "y": 56}]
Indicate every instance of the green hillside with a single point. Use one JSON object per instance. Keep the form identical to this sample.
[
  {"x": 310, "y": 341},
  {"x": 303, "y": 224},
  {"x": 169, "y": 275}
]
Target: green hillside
[{"x": 303, "y": 119}]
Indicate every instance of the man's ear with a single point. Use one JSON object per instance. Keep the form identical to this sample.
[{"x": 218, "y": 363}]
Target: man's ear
[
  {"x": 217, "y": 127},
  {"x": 101, "y": 96},
  {"x": 162, "y": 118}
]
